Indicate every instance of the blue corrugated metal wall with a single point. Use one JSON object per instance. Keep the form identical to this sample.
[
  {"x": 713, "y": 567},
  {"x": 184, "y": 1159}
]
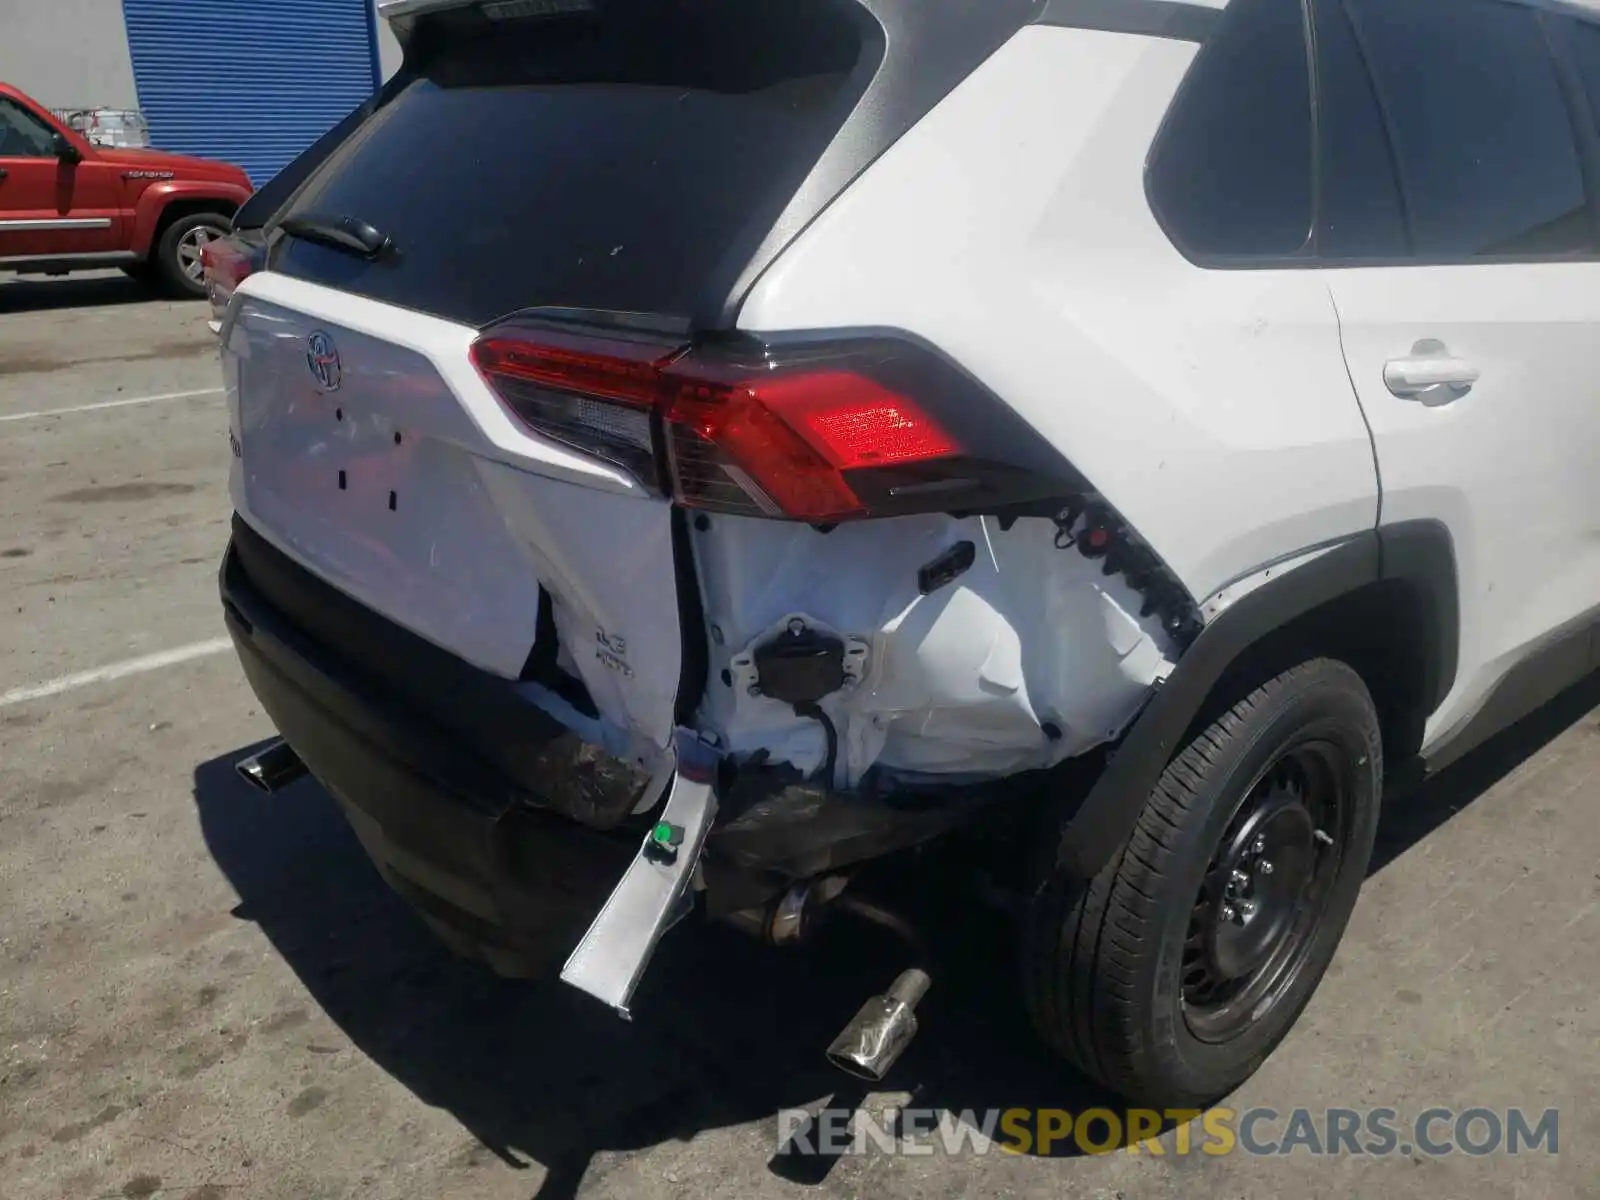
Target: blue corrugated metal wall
[{"x": 252, "y": 82}]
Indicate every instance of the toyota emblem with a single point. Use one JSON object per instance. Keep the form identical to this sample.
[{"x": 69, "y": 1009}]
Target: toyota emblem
[{"x": 322, "y": 357}]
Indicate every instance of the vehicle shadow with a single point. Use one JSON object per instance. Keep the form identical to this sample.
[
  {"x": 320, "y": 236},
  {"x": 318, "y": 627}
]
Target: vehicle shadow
[
  {"x": 726, "y": 1032},
  {"x": 42, "y": 293},
  {"x": 1409, "y": 818}
]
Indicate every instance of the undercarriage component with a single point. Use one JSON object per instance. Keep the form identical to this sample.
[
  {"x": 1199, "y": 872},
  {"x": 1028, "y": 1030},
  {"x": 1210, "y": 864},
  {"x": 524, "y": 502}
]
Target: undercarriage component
[
  {"x": 654, "y": 892},
  {"x": 947, "y": 567},
  {"x": 798, "y": 660},
  {"x": 792, "y": 917},
  {"x": 1096, "y": 529},
  {"x": 873, "y": 1041},
  {"x": 801, "y": 665}
]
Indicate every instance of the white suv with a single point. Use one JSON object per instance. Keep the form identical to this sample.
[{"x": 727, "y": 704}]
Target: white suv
[{"x": 686, "y": 450}]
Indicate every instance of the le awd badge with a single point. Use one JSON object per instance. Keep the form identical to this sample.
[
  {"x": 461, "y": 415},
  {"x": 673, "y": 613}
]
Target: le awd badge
[{"x": 612, "y": 651}]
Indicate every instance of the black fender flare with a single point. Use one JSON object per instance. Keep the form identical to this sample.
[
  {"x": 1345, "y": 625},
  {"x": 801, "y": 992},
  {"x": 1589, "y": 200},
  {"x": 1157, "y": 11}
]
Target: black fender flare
[{"x": 1418, "y": 555}]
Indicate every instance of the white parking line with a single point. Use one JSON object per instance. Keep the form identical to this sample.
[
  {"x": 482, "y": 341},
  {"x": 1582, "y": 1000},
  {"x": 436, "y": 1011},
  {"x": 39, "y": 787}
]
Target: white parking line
[
  {"x": 81, "y": 408},
  {"x": 121, "y": 670}
]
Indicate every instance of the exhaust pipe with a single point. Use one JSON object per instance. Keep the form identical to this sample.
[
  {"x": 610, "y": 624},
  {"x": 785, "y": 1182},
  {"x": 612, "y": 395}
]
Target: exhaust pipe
[
  {"x": 794, "y": 916},
  {"x": 274, "y": 769},
  {"x": 872, "y": 1043}
]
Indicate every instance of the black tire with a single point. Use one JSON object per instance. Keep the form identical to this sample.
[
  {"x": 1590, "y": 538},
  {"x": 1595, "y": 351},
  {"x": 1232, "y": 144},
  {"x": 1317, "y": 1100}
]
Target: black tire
[
  {"x": 168, "y": 261},
  {"x": 1127, "y": 974}
]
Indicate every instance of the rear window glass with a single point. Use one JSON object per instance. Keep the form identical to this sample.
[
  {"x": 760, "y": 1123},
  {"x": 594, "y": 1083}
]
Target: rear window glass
[
  {"x": 1231, "y": 173},
  {"x": 629, "y": 159}
]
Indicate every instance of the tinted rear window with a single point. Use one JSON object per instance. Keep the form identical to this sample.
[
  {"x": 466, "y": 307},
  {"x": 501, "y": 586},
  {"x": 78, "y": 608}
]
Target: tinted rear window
[
  {"x": 1231, "y": 172},
  {"x": 628, "y": 160}
]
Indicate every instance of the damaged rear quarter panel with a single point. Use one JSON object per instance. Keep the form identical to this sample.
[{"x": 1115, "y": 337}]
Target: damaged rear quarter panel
[{"x": 1030, "y": 656}]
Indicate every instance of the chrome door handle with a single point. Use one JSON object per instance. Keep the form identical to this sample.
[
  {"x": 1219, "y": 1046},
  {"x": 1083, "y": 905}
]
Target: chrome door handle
[{"x": 1430, "y": 378}]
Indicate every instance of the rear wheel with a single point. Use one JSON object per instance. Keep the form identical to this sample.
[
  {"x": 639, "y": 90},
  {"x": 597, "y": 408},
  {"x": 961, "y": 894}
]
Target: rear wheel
[
  {"x": 177, "y": 255},
  {"x": 1172, "y": 974}
]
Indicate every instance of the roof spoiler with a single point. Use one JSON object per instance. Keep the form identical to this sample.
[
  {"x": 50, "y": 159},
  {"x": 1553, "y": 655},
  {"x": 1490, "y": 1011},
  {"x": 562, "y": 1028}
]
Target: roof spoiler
[
  {"x": 405, "y": 11},
  {"x": 389, "y": 10}
]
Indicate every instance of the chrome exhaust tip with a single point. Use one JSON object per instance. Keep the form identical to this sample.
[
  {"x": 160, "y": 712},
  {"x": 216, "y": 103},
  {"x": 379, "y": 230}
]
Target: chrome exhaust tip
[
  {"x": 879, "y": 1034},
  {"x": 274, "y": 769}
]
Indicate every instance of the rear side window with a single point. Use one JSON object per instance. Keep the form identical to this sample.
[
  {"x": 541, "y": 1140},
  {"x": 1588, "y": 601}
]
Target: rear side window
[
  {"x": 616, "y": 160},
  {"x": 1231, "y": 172},
  {"x": 1488, "y": 163}
]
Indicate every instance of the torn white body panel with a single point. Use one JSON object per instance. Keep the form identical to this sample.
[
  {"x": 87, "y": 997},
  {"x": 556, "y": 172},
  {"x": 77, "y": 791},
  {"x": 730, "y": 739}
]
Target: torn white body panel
[{"x": 1029, "y": 657}]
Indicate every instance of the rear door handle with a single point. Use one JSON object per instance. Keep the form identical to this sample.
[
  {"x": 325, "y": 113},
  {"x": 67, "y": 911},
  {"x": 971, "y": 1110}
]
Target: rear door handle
[
  {"x": 4, "y": 172},
  {"x": 1431, "y": 378}
]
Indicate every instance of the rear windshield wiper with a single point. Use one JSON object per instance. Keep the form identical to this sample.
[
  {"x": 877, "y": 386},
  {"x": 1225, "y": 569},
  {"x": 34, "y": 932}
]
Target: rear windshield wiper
[{"x": 342, "y": 233}]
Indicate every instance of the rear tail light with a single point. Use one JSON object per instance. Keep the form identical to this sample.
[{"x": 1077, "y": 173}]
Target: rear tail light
[
  {"x": 820, "y": 432},
  {"x": 790, "y": 442},
  {"x": 226, "y": 263},
  {"x": 595, "y": 396}
]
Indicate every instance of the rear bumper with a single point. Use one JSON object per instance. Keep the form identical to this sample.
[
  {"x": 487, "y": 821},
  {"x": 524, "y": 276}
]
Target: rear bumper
[
  {"x": 500, "y": 879},
  {"x": 501, "y": 826},
  {"x": 437, "y": 717}
]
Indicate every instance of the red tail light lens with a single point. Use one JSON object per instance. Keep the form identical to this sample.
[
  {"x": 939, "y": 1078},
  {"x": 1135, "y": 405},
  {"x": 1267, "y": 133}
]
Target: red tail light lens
[
  {"x": 628, "y": 372},
  {"x": 854, "y": 422},
  {"x": 822, "y": 433},
  {"x": 226, "y": 263},
  {"x": 787, "y": 441}
]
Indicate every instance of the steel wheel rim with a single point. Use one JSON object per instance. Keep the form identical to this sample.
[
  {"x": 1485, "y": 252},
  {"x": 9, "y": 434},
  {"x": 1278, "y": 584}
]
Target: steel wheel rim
[
  {"x": 1252, "y": 931},
  {"x": 190, "y": 247}
]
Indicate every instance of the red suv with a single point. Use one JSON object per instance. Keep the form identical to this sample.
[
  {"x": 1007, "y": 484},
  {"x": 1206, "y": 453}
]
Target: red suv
[{"x": 67, "y": 205}]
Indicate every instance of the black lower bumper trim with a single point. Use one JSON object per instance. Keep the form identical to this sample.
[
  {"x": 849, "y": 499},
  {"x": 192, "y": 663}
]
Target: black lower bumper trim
[
  {"x": 435, "y": 712},
  {"x": 497, "y": 878}
]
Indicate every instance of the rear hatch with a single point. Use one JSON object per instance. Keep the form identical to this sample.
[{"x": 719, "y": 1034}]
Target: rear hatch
[
  {"x": 625, "y": 165},
  {"x": 626, "y": 157},
  {"x": 372, "y": 453}
]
